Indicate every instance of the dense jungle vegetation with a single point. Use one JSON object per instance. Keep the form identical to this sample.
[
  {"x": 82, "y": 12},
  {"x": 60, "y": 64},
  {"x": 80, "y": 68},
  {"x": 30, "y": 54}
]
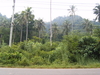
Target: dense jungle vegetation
[{"x": 73, "y": 46}]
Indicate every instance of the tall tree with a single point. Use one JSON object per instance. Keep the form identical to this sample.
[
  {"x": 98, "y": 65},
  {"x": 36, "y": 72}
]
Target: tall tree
[
  {"x": 55, "y": 31},
  {"x": 27, "y": 19},
  {"x": 88, "y": 26},
  {"x": 15, "y": 28},
  {"x": 72, "y": 14},
  {"x": 21, "y": 23},
  {"x": 4, "y": 29},
  {"x": 97, "y": 12},
  {"x": 28, "y": 16},
  {"x": 18, "y": 24},
  {"x": 39, "y": 25},
  {"x": 24, "y": 22},
  {"x": 66, "y": 27}
]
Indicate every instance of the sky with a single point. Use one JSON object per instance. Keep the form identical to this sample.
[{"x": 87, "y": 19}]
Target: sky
[{"x": 41, "y": 8}]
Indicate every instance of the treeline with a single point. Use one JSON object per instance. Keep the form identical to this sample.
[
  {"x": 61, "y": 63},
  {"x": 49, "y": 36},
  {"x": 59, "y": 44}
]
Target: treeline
[
  {"x": 26, "y": 27},
  {"x": 31, "y": 46}
]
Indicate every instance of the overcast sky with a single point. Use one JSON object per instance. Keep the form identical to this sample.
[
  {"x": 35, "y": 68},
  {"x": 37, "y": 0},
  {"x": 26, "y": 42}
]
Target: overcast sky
[{"x": 41, "y": 8}]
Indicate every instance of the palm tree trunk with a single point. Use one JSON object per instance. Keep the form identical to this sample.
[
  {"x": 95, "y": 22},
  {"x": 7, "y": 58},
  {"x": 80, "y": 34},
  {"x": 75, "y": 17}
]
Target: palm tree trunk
[
  {"x": 72, "y": 22},
  {"x": 27, "y": 31},
  {"x": 91, "y": 32},
  {"x": 0, "y": 39},
  {"x": 21, "y": 33},
  {"x": 39, "y": 33}
]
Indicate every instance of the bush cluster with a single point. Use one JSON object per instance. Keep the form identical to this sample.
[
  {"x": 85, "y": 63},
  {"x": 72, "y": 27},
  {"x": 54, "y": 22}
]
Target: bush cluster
[{"x": 70, "y": 50}]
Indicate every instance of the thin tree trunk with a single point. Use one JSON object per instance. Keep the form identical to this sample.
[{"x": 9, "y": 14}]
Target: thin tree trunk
[
  {"x": 27, "y": 31},
  {"x": 39, "y": 33},
  {"x": 72, "y": 22},
  {"x": 21, "y": 33},
  {"x": 0, "y": 39},
  {"x": 91, "y": 32}
]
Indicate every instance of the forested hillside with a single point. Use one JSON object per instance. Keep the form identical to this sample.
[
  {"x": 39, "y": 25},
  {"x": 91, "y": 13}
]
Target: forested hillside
[
  {"x": 60, "y": 20},
  {"x": 78, "y": 20},
  {"x": 75, "y": 42}
]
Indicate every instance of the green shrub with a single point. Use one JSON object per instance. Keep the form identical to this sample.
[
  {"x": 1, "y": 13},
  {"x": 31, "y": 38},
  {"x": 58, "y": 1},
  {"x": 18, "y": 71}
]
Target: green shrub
[
  {"x": 70, "y": 44},
  {"x": 10, "y": 58},
  {"x": 5, "y": 49},
  {"x": 57, "y": 61},
  {"x": 47, "y": 46},
  {"x": 37, "y": 60},
  {"x": 47, "y": 56},
  {"x": 60, "y": 53},
  {"x": 72, "y": 58},
  {"x": 89, "y": 47},
  {"x": 37, "y": 39},
  {"x": 24, "y": 61}
]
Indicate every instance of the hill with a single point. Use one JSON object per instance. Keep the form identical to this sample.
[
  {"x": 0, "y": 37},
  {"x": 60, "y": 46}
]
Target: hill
[
  {"x": 60, "y": 20},
  {"x": 77, "y": 21}
]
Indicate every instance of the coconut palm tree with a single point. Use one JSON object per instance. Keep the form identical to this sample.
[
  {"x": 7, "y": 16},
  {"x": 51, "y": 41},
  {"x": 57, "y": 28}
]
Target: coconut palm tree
[
  {"x": 72, "y": 14},
  {"x": 4, "y": 27},
  {"x": 19, "y": 22},
  {"x": 88, "y": 26},
  {"x": 28, "y": 17},
  {"x": 55, "y": 30},
  {"x": 66, "y": 27},
  {"x": 24, "y": 20},
  {"x": 97, "y": 12},
  {"x": 39, "y": 25}
]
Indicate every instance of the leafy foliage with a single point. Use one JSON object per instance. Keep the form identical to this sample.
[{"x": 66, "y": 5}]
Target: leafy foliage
[
  {"x": 89, "y": 47},
  {"x": 68, "y": 47}
]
